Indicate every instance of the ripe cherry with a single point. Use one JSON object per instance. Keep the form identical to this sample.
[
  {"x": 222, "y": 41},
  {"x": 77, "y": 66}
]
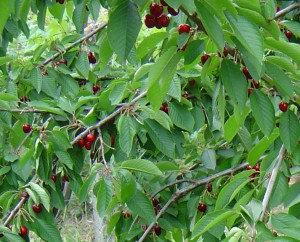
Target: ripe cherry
[
  {"x": 126, "y": 214},
  {"x": 256, "y": 167},
  {"x": 65, "y": 178},
  {"x": 164, "y": 108},
  {"x": 112, "y": 140},
  {"x": 45, "y": 73},
  {"x": 248, "y": 167},
  {"x": 283, "y": 106},
  {"x": 201, "y": 207},
  {"x": 26, "y": 128},
  {"x": 150, "y": 21},
  {"x": 53, "y": 177},
  {"x": 37, "y": 208},
  {"x": 172, "y": 11},
  {"x": 288, "y": 179},
  {"x": 81, "y": 143},
  {"x": 60, "y": 1},
  {"x": 96, "y": 88},
  {"x": 90, "y": 138},
  {"x": 204, "y": 58},
  {"x": 157, "y": 230},
  {"x": 209, "y": 187},
  {"x": 162, "y": 21},
  {"x": 246, "y": 73},
  {"x": 23, "y": 231},
  {"x": 288, "y": 34},
  {"x": 63, "y": 61},
  {"x": 162, "y": 2},
  {"x": 156, "y": 10},
  {"x": 91, "y": 57},
  {"x": 278, "y": 8},
  {"x": 155, "y": 202},
  {"x": 254, "y": 84},
  {"x": 185, "y": 95},
  {"x": 192, "y": 82},
  {"x": 88, "y": 145},
  {"x": 250, "y": 90},
  {"x": 184, "y": 28}
]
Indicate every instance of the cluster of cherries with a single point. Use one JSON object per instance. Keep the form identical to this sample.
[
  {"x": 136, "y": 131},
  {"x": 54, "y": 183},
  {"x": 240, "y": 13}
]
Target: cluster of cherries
[
  {"x": 156, "y": 227},
  {"x": 87, "y": 141},
  {"x": 156, "y": 17},
  {"x": 256, "y": 168}
]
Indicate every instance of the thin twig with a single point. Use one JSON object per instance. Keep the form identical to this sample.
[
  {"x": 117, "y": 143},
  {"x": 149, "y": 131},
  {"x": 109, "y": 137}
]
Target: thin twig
[
  {"x": 183, "y": 191},
  {"x": 14, "y": 211},
  {"x": 107, "y": 118},
  {"x": 82, "y": 39},
  {"x": 22, "y": 110},
  {"x": 272, "y": 180},
  {"x": 102, "y": 147}
]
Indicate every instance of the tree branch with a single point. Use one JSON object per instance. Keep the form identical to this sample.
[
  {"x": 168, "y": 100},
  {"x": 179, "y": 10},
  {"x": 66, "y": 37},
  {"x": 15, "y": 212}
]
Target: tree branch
[
  {"x": 183, "y": 191},
  {"x": 107, "y": 118},
  {"x": 22, "y": 110},
  {"x": 14, "y": 211},
  {"x": 85, "y": 37},
  {"x": 286, "y": 10},
  {"x": 271, "y": 184}
]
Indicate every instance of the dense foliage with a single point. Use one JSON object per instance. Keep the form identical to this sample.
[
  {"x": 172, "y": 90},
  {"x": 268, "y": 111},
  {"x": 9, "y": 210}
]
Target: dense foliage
[{"x": 181, "y": 117}]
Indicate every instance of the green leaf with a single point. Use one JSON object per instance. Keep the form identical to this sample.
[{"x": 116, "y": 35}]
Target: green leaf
[
  {"x": 4, "y": 170},
  {"x": 104, "y": 195},
  {"x": 290, "y": 49},
  {"x": 211, "y": 220},
  {"x": 60, "y": 140},
  {"x": 128, "y": 185},
  {"x": 230, "y": 190},
  {"x": 82, "y": 64},
  {"x": 123, "y": 27},
  {"x": 141, "y": 165},
  {"x": 293, "y": 196},
  {"x": 5, "y": 59},
  {"x": 167, "y": 166},
  {"x": 286, "y": 224},
  {"x": 281, "y": 62},
  {"x": 142, "y": 206},
  {"x": 251, "y": 39},
  {"x": 161, "y": 137},
  {"x": 36, "y": 79},
  {"x": 211, "y": 25},
  {"x": 281, "y": 80},
  {"x": 127, "y": 131},
  {"x": 42, "y": 106},
  {"x": 233, "y": 79},
  {"x": 161, "y": 117},
  {"x": 43, "y": 195},
  {"x": 181, "y": 116},
  {"x": 279, "y": 192},
  {"x": 161, "y": 75},
  {"x": 263, "y": 111},
  {"x": 118, "y": 92},
  {"x": 289, "y": 130},
  {"x": 149, "y": 43},
  {"x": 293, "y": 26},
  {"x": 209, "y": 159},
  {"x": 8, "y": 97},
  {"x": 261, "y": 147},
  {"x": 79, "y": 16},
  {"x": 85, "y": 188},
  {"x": 65, "y": 158},
  {"x": 5, "y": 10}
]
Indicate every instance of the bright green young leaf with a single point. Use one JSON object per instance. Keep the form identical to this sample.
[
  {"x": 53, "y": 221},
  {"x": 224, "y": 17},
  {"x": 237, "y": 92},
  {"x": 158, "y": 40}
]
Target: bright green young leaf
[
  {"x": 149, "y": 43},
  {"x": 263, "y": 111},
  {"x": 5, "y": 59},
  {"x": 141, "y": 165},
  {"x": 289, "y": 130},
  {"x": 161, "y": 75},
  {"x": 123, "y": 27},
  {"x": 261, "y": 147},
  {"x": 210, "y": 220},
  {"x": 161, "y": 137},
  {"x": 142, "y": 206},
  {"x": 233, "y": 79}
]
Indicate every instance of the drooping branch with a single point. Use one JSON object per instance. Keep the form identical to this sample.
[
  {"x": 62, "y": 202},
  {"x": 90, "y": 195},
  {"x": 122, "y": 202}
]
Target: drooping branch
[
  {"x": 272, "y": 180},
  {"x": 82, "y": 39},
  {"x": 187, "y": 189},
  {"x": 107, "y": 118}
]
